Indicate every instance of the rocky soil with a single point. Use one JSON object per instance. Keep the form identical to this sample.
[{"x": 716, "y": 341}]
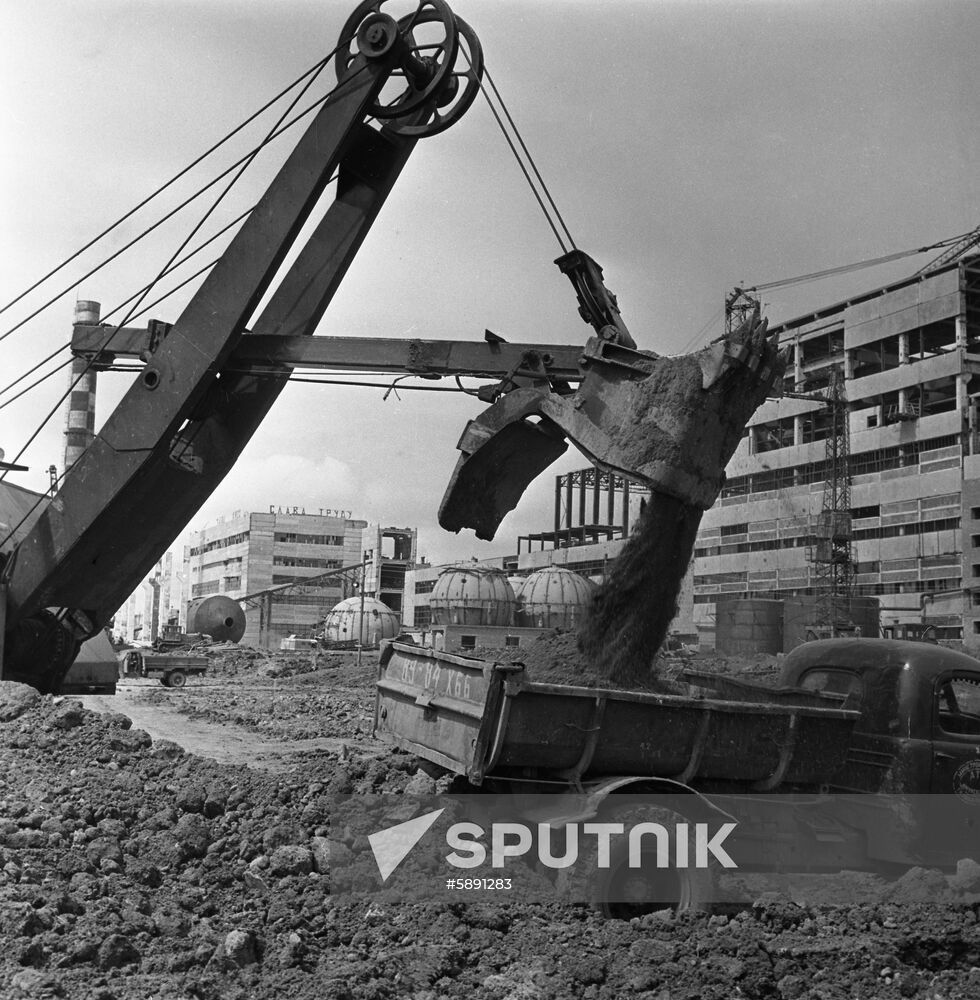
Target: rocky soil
[{"x": 129, "y": 869}]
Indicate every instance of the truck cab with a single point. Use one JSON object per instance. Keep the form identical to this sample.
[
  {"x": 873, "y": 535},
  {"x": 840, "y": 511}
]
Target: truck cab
[{"x": 919, "y": 704}]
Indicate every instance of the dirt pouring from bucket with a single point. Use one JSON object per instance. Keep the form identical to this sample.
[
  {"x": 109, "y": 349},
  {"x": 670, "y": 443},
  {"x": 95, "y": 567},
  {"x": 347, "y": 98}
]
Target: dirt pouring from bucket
[{"x": 131, "y": 870}]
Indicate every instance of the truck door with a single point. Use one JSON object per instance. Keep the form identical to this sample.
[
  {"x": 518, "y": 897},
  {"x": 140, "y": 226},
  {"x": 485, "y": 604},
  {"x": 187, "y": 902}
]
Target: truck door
[
  {"x": 950, "y": 817},
  {"x": 956, "y": 736}
]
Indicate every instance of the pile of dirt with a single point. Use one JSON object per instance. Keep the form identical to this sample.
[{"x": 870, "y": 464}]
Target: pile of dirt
[{"x": 129, "y": 869}]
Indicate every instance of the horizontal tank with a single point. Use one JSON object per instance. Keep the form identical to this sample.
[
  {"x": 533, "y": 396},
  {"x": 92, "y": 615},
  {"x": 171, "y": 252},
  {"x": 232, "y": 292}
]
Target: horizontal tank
[
  {"x": 553, "y": 597},
  {"x": 366, "y": 621},
  {"x": 472, "y": 595},
  {"x": 219, "y": 617}
]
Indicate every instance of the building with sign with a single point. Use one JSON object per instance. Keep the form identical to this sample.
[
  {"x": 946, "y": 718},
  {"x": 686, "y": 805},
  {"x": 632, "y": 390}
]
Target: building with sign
[{"x": 289, "y": 567}]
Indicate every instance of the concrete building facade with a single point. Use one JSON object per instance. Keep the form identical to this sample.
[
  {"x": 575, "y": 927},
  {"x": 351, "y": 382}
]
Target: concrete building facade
[
  {"x": 249, "y": 554},
  {"x": 909, "y": 354}
]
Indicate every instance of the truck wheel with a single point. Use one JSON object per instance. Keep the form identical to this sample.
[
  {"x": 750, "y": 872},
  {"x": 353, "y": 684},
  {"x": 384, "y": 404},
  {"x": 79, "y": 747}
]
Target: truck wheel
[
  {"x": 621, "y": 892},
  {"x": 176, "y": 679}
]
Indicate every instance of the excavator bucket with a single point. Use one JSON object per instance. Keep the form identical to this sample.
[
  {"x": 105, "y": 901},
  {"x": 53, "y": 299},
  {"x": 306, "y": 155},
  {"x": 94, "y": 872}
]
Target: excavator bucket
[
  {"x": 669, "y": 424},
  {"x": 504, "y": 449}
]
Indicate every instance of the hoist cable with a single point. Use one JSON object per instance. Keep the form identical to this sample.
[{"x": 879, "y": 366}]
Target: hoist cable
[
  {"x": 530, "y": 159},
  {"x": 176, "y": 288},
  {"x": 30, "y": 372},
  {"x": 520, "y": 162},
  {"x": 844, "y": 268},
  {"x": 36, "y": 383},
  {"x": 163, "y": 187},
  {"x": 179, "y": 263},
  {"x": 277, "y": 130},
  {"x": 170, "y": 214}
]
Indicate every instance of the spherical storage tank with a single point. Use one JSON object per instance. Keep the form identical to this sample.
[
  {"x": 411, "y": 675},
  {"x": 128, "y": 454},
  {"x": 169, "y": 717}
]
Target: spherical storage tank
[
  {"x": 553, "y": 597},
  {"x": 345, "y": 623},
  {"x": 472, "y": 595}
]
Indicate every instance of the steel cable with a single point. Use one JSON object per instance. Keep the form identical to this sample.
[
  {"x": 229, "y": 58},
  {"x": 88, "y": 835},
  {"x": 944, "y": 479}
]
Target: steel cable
[
  {"x": 317, "y": 68},
  {"x": 276, "y": 131}
]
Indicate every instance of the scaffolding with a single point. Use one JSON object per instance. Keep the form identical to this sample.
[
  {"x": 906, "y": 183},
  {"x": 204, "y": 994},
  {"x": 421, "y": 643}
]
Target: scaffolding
[{"x": 831, "y": 552}]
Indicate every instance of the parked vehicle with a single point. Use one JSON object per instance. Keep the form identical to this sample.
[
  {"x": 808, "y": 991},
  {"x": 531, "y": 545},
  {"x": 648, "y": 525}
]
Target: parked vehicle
[{"x": 172, "y": 669}]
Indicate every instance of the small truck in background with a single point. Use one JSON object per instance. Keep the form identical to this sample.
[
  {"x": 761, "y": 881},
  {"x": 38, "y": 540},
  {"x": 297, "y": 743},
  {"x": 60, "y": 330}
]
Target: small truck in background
[
  {"x": 864, "y": 756},
  {"x": 172, "y": 668}
]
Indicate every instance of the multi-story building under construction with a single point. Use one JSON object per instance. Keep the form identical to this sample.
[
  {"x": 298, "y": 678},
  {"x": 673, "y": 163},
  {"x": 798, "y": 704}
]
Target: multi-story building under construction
[{"x": 908, "y": 353}]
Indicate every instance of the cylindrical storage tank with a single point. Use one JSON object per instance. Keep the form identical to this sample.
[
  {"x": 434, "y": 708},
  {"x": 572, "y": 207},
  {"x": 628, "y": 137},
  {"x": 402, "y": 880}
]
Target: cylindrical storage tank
[
  {"x": 553, "y": 597},
  {"x": 355, "y": 621},
  {"x": 746, "y": 626},
  {"x": 472, "y": 595},
  {"x": 219, "y": 617}
]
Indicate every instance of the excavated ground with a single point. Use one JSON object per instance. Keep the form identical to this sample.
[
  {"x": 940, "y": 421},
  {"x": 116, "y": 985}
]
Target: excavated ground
[{"x": 131, "y": 869}]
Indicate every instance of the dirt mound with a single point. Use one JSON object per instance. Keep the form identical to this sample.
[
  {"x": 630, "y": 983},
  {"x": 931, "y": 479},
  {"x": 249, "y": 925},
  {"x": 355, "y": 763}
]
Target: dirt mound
[{"x": 131, "y": 870}]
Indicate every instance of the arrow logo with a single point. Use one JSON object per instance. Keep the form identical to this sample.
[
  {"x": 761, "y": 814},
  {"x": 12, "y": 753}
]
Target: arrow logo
[{"x": 391, "y": 846}]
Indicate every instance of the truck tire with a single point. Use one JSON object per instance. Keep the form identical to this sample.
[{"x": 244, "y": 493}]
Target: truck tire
[
  {"x": 619, "y": 892},
  {"x": 175, "y": 679}
]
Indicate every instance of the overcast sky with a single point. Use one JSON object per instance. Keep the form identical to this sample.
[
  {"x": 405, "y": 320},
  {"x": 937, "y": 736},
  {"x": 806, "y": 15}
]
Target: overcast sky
[{"x": 690, "y": 147}]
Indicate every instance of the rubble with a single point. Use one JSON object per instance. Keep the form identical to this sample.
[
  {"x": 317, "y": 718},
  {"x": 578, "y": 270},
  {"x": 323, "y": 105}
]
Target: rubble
[{"x": 148, "y": 872}]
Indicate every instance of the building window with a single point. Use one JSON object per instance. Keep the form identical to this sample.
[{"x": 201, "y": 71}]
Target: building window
[
  {"x": 512, "y": 640},
  {"x": 204, "y": 589},
  {"x": 467, "y": 642}
]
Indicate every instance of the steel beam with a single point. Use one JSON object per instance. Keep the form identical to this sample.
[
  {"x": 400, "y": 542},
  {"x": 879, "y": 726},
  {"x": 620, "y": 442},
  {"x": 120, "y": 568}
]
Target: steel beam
[{"x": 495, "y": 359}]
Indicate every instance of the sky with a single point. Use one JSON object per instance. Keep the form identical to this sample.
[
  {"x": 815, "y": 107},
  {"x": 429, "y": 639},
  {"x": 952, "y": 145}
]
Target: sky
[{"x": 690, "y": 146}]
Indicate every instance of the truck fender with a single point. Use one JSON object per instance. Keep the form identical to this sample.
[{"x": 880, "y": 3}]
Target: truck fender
[{"x": 591, "y": 805}]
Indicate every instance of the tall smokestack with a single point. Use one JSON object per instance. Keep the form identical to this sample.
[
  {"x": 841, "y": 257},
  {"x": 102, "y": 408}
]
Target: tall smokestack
[{"x": 80, "y": 407}]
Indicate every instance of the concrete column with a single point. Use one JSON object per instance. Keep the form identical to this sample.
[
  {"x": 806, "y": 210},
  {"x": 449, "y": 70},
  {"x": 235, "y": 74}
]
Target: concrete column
[
  {"x": 798, "y": 429},
  {"x": 80, "y": 405},
  {"x": 962, "y": 393},
  {"x": 848, "y": 365},
  {"x": 961, "y": 330},
  {"x": 903, "y": 348},
  {"x": 797, "y": 362}
]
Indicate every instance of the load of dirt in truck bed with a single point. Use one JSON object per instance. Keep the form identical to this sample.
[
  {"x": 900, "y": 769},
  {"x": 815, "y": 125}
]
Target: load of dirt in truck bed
[
  {"x": 129, "y": 869},
  {"x": 557, "y": 659}
]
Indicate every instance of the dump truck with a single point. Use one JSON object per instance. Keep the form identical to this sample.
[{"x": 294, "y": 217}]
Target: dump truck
[{"x": 865, "y": 755}]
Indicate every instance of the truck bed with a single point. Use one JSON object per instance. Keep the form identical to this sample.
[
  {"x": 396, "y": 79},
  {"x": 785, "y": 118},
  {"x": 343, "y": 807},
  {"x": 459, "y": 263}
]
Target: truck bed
[{"x": 479, "y": 718}]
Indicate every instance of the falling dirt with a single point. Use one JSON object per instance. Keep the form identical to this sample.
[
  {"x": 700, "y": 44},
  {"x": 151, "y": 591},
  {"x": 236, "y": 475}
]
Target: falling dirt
[{"x": 631, "y": 612}]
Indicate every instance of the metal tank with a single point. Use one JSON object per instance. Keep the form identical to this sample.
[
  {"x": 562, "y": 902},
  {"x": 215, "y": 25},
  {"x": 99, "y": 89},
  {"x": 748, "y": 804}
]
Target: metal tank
[
  {"x": 219, "y": 617},
  {"x": 553, "y": 597},
  {"x": 355, "y": 621},
  {"x": 746, "y": 626},
  {"x": 472, "y": 595}
]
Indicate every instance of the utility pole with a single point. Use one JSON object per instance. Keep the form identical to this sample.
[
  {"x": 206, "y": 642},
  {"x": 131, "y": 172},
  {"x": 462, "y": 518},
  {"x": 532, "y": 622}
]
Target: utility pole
[{"x": 360, "y": 627}]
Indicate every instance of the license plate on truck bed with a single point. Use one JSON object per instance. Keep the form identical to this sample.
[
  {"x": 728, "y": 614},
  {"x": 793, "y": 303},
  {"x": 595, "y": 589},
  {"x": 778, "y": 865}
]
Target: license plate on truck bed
[{"x": 437, "y": 705}]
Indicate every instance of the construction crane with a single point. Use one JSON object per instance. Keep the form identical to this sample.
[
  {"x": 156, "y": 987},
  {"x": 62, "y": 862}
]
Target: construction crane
[{"x": 951, "y": 253}]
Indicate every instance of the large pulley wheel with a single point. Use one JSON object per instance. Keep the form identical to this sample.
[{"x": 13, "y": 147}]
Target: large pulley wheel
[
  {"x": 429, "y": 39},
  {"x": 459, "y": 90}
]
